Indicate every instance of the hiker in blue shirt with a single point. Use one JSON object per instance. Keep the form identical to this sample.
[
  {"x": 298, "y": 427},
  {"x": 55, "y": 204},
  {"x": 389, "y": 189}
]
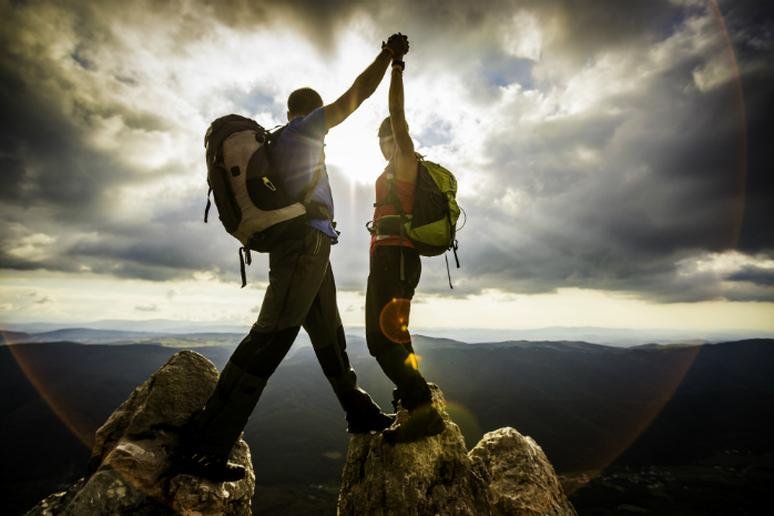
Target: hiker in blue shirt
[
  {"x": 300, "y": 158},
  {"x": 301, "y": 291}
]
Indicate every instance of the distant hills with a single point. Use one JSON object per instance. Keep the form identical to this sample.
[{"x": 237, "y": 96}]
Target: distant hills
[
  {"x": 113, "y": 337},
  {"x": 591, "y": 407},
  {"x": 621, "y": 337},
  {"x": 96, "y": 336}
]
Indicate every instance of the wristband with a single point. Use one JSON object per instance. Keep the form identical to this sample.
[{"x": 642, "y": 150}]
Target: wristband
[
  {"x": 397, "y": 63},
  {"x": 388, "y": 49}
]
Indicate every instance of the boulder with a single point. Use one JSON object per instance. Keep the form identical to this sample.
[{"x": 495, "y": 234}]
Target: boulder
[
  {"x": 506, "y": 473},
  {"x": 130, "y": 464},
  {"x": 521, "y": 479}
]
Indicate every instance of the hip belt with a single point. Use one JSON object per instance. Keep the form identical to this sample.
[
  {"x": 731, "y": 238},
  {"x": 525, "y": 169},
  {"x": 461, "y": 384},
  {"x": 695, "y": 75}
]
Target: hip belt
[{"x": 388, "y": 226}]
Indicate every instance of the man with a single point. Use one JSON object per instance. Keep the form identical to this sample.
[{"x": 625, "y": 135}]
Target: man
[{"x": 301, "y": 291}]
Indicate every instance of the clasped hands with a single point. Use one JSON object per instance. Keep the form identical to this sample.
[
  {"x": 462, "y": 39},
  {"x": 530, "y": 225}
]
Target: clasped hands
[{"x": 397, "y": 45}]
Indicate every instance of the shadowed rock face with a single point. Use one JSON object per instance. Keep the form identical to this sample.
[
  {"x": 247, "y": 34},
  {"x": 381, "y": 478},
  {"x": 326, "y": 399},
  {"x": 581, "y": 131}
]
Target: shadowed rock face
[
  {"x": 505, "y": 473},
  {"x": 130, "y": 460}
]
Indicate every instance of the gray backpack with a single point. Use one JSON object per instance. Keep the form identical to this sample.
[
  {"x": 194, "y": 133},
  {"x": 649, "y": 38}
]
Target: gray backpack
[{"x": 253, "y": 204}]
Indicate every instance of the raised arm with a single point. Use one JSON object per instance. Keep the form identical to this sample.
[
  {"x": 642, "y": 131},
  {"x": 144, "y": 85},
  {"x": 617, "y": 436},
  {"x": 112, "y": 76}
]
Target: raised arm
[
  {"x": 397, "y": 114},
  {"x": 365, "y": 84},
  {"x": 405, "y": 158}
]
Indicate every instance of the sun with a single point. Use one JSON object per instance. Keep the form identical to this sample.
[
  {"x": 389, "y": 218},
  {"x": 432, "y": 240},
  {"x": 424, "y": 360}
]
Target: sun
[{"x": 353, "y": 147}]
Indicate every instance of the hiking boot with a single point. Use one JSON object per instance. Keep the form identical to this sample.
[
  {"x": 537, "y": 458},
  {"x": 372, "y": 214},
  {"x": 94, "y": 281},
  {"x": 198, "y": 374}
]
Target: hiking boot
[
  {"x": 422, "y": 422},
  {"x": 210, "y": 467},
  {"x": 373, "y": 423}
]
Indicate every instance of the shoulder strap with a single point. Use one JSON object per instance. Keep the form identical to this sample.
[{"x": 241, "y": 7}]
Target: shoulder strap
[{"x": 392, "y": 196}]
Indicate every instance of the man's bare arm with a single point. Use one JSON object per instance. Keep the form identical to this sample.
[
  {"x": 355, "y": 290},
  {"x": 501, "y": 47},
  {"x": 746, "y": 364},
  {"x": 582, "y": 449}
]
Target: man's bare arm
[{"x": 363, "y": 87}]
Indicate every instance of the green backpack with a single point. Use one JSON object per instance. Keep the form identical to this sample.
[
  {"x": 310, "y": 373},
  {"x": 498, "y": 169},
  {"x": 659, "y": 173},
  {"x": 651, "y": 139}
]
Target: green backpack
[{"x": 432, "y": 225}]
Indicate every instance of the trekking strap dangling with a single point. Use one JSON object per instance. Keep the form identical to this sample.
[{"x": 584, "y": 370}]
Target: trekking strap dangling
[
  {"x": 454, "y": 248},
  {"x": 448, "y": 273},
  {"x": 209, "y": 204},
  {"x": 244, "y": 257}
]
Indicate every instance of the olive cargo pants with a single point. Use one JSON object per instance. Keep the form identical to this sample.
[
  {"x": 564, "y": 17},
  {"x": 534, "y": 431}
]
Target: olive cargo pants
[{"x": 301, "y": 292}]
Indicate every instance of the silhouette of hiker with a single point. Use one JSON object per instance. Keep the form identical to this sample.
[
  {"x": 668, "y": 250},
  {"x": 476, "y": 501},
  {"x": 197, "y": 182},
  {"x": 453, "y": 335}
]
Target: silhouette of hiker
[
  {"x": 394, "y": 273},
  {"x": 301, "y": 292}
]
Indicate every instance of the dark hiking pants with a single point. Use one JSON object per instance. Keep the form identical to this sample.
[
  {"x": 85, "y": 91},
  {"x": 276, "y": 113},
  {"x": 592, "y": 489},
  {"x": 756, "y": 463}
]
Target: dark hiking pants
[
  {"x": 388, "y": 301},
  {"x": 301, "y": 292}
]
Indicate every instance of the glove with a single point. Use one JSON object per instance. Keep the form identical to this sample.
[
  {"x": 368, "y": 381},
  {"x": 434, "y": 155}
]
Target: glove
[
  {"x": 398, "y": 44},
  {"x": 316, "y": 210}
]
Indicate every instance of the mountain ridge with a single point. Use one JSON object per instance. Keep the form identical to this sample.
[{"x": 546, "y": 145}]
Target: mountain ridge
[{"x": 709, "y": 398}]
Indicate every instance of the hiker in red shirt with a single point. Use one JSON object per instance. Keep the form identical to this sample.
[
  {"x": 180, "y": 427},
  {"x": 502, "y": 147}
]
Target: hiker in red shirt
[{"x": 394, "y": 273}]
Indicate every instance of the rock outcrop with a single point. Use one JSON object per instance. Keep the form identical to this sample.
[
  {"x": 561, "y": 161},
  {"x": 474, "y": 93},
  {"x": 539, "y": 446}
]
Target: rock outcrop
[
  {"x": 130, "y": 462},
  {"x": 505, "y": 473}
]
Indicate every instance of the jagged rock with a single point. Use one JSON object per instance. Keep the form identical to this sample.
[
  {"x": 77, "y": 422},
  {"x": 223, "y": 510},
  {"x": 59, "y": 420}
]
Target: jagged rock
[
  {"x": 130, "y": 458},
  {"x": 521, "y": 479},
  {"x": 506, "y": 473}
]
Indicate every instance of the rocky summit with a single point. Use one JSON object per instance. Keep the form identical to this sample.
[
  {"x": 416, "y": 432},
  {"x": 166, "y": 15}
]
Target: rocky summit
[
  {"x": 505, "y": 473},
  {"x": 130, "y": 469}
]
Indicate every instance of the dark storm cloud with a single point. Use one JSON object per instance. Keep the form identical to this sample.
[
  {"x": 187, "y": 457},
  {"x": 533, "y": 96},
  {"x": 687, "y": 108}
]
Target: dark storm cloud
[
  {"x": 318, "y": 20},
  {"x": 53, "y": 181},
  {"x": 669, "y": 190},
  {"x": 44, "y": 158},
  {"x": 660, "y": 191},
  {"x": 756, "y": 275},
  {"x": 751, "y": 28}
]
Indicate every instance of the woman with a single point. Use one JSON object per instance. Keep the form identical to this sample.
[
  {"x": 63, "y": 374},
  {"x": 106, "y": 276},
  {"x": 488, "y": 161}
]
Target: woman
[{"x": 394, "y": 273}]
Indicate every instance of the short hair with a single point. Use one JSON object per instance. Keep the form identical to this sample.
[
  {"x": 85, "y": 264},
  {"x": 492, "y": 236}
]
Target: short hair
[
  {"x": 303, "y": 101},
  {"x": 386, "y": 128}
]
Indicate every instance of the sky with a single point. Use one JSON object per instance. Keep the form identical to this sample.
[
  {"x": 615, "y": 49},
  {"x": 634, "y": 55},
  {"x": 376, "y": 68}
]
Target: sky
[{"x": 613, "y": 158}]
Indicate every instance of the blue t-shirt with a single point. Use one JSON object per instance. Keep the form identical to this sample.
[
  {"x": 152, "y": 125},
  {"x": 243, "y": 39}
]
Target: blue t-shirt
[{"x": 298, "y": 153}]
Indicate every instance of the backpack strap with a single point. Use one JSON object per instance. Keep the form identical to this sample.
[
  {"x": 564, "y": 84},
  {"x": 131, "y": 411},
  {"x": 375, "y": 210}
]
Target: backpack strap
[
  {"x": 448, "y": 273},
  {"x": 209, "y": 205},
  {"x": 392, "y": 197},
  {"x": 244, "y": 257}
]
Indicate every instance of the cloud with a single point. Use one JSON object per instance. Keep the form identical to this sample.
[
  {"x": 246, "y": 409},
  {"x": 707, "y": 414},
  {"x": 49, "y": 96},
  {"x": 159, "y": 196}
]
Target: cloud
[
  {"x": 597, "y": 145},
  {"x": 634, "y": 169},
  {"x": 762, "y": 276}
]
